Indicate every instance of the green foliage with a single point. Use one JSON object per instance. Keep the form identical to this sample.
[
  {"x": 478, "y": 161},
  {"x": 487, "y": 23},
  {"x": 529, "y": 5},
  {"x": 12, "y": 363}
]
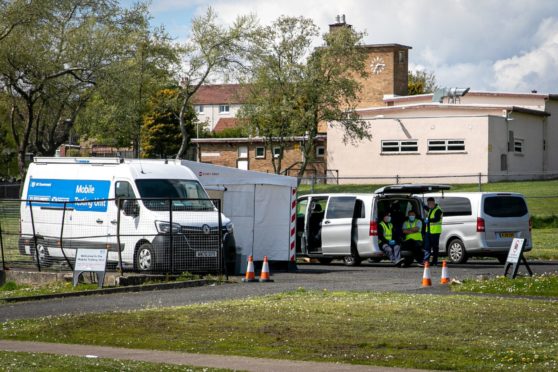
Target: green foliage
[
  {"x": 236, "y": 132},
  {"x": 385, "y": 329},
  {"x": 421, "y": 82},
  {"x": 9, "y": 286}
]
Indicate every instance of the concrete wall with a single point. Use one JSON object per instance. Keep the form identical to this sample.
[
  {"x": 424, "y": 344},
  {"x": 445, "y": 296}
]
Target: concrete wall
[{"x": 365, "y": 158}]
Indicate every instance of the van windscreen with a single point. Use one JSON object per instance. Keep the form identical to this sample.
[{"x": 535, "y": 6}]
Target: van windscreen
[
  {"x": 154, "y": 192},
  {"x": 505, "y": 206}
]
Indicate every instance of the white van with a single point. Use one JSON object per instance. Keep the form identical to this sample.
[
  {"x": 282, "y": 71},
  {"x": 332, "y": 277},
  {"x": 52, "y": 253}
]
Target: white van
[
  {"x": 482, "y": 224},
  {"x": 92, "y": 186},
  {"x": 346, "y": 225}
]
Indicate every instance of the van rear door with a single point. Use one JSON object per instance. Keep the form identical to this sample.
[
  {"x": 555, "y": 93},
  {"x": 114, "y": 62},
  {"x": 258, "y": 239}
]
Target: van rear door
[
  {"x": 337, "y": 225},
  {"x": 505, "y": 217}
]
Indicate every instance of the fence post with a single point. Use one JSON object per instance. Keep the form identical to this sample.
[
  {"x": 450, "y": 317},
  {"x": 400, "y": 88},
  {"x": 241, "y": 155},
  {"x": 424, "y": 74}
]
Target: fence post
[
  {"x": 171, "y": 238},
  {"x": 480, "y": 181},
  {"x": 62, "y": 236},
  {"x": 2, "y": 249},
  {"x": 34, "y": 235},
  {"x": 397, "y": 179},
  {"x": 118, "y": 209}
]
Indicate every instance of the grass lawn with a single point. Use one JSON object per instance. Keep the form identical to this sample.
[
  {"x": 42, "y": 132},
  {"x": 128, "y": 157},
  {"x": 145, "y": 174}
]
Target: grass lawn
[
  {"x": 545, "y": 244},
  {"x": 11, "y": 289},
  {"x": 539, "y": 285},
  {"x": 533, "y": 190},
  {"x": 387, "y": 329},
  {"x": 18, "y": 362}
]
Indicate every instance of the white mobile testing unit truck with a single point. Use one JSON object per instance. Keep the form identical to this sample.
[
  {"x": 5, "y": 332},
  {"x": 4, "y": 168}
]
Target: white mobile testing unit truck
[{"x": 145, "y": 228}]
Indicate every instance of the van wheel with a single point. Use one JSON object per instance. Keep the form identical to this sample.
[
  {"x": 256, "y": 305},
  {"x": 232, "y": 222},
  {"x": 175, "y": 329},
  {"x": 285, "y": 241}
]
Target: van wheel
[
  {"x": 502, "y": 259},
  {"x": 352, "y": 260},
  {"x": 145, "y": 258},
  {"x": 456, "y": 252},
  {"x": 325, "y": 260},
  {"x": 42, "y": 252}
]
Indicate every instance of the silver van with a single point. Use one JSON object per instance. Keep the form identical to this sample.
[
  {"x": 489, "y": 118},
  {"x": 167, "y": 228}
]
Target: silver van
[
  {"x": 345, "y": 226},
  {"x": 482, "y": 224}
]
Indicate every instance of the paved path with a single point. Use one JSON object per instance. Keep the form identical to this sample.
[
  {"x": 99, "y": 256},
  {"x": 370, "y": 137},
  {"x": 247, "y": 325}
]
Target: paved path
[
  {"x": 368, "y": 277},
  {"x": 199, "y": 360}
]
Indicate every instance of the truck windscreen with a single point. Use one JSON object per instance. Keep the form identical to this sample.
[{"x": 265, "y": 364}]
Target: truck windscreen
[{"x": 161, "y": 190}]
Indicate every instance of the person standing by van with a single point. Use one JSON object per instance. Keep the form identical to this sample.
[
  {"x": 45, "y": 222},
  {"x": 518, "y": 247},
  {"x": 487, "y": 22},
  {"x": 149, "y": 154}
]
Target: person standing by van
[
  {"x": 433, "y": 223},
  {"x": 388, "y": 244},
  {"x": 412, "y": 228}
]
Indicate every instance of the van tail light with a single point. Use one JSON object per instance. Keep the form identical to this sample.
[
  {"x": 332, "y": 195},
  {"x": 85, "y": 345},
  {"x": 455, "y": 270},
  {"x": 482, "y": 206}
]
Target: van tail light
[
  {"x": 530, "y": 224},
  {"x": 373, "y": 228},
  {"x": 480, "y": 224}
]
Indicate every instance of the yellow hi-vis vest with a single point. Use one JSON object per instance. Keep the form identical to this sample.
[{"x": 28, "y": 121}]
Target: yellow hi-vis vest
[
  {"x": 434, "y": 227},
  {"x": 388, "y": 234},
  {"x": 413, "y": 236}
]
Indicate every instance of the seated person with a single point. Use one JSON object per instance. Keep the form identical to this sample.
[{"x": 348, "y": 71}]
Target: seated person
[
  {"x": 315, "y": 225},
  {"x": 387, "y": 242},
  {"x": 412, "y": 229}
]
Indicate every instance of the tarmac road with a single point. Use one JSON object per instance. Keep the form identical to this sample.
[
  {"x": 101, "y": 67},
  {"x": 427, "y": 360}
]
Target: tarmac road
[{"x": 368, "y": 277}]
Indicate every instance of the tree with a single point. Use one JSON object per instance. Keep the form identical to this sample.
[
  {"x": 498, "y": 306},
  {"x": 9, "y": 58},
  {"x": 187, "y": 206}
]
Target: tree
[
  {"x": 293, "y": 88},
  {"x": 421, "y": 82},
  {"x": 161, "y": 130},
  {"x": 213, "y": 50},
  {"x": 50, "y": 68}
]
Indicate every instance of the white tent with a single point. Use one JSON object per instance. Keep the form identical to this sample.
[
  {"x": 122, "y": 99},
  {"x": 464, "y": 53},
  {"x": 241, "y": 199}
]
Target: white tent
[{"x": 262, "y": 207}]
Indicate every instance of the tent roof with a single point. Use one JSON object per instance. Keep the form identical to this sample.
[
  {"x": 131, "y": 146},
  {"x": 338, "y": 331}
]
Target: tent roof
[{"x": 210, "y": 174}]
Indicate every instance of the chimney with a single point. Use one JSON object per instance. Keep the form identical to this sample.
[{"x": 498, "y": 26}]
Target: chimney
[{"x": 339, "y": 22}]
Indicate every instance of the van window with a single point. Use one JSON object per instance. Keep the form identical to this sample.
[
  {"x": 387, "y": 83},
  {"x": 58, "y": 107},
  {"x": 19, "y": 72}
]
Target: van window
[
  {"x": 455, "y": 206},
  {"x": 505, "y": 206},
  {"x": 341, "y": 207},
  {"x": 123, "y": 189},
  {"x": 359, "y": 209},
  {"x": 155, "y": 191}
]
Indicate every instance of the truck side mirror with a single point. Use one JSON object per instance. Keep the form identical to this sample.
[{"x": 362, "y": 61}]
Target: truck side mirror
[{"x": 130, "y": 208}]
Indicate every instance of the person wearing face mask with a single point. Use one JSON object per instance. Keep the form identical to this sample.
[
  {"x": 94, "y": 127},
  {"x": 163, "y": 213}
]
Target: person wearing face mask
[
  {"x": 387, "y": 240},
  {"x": 412, "y": 228}
]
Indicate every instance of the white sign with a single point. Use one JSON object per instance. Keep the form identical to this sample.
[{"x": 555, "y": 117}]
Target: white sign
[
  {"x": 91, "y": 260},
  {"x": 515, "y": 250}
]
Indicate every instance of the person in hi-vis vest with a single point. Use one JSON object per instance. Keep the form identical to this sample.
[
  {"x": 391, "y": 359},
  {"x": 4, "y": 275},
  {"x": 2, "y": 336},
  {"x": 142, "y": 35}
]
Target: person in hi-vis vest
[
  {"x": 412, "y": 229},
  {"x": 387, "y": 240},
  {"x": 433, "y": 223}
]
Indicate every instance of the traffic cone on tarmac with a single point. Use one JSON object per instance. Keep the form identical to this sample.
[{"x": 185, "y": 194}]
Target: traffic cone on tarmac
[
  {"x": 426, "y": 279},
  {"x": 445, "y": 275},
  {"x": 250, "y": 274},
  {"x": 264, "y": 277}
]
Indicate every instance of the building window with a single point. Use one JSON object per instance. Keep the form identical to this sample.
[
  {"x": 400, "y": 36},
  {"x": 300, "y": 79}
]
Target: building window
[
  {"x": 320, "y": 151},
  {"x": 260, "y": 152},
  {"x": 243, "y": 152},
  {"x": 276, "y": 152},
  {"x": 446, "y": 145},
  {"x": 224, "y": 109},
  {"x": 503, "y": 162},
  {"x": 199, "y": 109},
  {"x": 401, "y": 57},
  {"x": 397, "y": 147},
  {"x": 518, "y": 145}
]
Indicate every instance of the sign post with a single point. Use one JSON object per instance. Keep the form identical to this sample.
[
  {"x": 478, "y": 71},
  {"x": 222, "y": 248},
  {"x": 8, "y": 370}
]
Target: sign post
[
  {"x": 515, "y": 257},
  {"x": 91, "y": 260}
]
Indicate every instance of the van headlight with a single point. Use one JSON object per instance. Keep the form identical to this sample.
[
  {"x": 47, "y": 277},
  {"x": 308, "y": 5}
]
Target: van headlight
[
  {"x": 165, "y": 227},
  {"x": 230, "y": 227}
]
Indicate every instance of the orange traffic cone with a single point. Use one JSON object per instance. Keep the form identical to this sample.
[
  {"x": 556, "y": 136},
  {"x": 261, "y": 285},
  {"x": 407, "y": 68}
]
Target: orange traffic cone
[
  {"x": 426, "y": 280},
  {"x": 445, "y": 275},
  {"x": 264, "y": 277},
  {"x": 250, "y": 275}
]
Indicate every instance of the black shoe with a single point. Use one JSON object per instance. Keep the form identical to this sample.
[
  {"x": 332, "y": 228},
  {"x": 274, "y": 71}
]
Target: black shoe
[
  {"x": 399, "y": 262},
  {"x": 420, "y": 264}
]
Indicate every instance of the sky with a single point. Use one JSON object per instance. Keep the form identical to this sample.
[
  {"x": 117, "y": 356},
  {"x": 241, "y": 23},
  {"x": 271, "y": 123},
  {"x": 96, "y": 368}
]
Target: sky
[{"x": 491, "y": 45}]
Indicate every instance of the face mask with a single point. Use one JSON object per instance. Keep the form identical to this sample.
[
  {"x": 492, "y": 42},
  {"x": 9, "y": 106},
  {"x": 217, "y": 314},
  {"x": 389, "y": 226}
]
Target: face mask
[
  {"x": 388, "y": 219},
  {"x": 411, "y": 218}
]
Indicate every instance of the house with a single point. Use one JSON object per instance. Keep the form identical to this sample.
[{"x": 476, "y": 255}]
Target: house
[
  {"x": 216, "y": 105},
  {"x": 483, "y": 136}
]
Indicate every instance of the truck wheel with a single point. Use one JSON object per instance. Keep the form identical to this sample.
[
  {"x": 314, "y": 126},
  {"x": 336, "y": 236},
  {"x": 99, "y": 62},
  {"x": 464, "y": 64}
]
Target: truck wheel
[
  {"x": 145, "y": 258},
  {"x": 42, "y": 252},
  {"x": 456, "y": 252},
  {"x": 325, "y": 260}
]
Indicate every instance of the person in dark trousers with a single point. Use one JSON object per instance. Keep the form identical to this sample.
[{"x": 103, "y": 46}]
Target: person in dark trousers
[
  {"x": 387, "y": 240},
  {"x": 412, "y": 229},
  {"x": 433, "y": 222}
]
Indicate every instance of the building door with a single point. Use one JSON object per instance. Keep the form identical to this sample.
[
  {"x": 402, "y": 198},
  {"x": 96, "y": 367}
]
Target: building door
[{"x": 242, "y": 164}]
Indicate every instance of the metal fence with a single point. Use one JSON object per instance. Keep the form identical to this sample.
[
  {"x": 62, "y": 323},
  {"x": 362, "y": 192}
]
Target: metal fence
[
  {"x": 142, "y": 235},
  {"x": 9, "y": 190}
]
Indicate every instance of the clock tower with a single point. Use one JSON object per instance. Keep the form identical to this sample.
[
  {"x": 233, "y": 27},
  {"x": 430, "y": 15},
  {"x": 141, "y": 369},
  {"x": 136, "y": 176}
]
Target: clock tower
[{"x": 388, "y": 68}]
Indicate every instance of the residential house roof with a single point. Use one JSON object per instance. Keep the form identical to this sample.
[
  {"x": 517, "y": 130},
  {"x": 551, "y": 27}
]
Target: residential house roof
[
  {"x": 218, "y": 94},
  {"x": 225, "y": 123}
]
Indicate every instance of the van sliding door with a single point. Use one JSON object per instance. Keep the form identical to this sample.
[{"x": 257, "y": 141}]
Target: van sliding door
[{"x": 337, "y": 225}]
